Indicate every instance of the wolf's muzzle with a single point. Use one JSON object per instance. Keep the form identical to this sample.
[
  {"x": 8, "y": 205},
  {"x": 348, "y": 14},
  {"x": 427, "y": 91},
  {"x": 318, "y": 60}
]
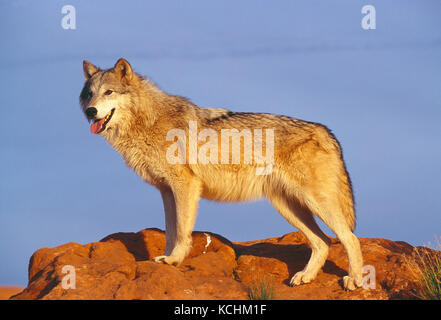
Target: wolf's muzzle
[{"x": 91, "y": 112}]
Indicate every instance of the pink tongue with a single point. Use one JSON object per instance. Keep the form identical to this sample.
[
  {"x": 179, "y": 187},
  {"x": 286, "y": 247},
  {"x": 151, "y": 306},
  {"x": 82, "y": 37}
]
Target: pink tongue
[{"x": 97, "y": 126}]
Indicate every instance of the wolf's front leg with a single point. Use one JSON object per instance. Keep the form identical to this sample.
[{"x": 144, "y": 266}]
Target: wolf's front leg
[
  {"x": 180, "y": 205},
  {"x": 168, "y": 200}
]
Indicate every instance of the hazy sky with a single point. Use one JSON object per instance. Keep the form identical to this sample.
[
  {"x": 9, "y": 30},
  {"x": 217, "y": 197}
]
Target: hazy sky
[{"x": 378, "y": 90}]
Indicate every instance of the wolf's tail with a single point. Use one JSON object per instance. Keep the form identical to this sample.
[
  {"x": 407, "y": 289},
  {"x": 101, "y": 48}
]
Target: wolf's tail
[
  {"x": 345, "y": 194},
  {"x": 346, "y": 199}
]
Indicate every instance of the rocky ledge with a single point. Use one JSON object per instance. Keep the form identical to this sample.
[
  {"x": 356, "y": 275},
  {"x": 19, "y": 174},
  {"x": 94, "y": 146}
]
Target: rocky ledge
[{"x": 120, "y": 267}]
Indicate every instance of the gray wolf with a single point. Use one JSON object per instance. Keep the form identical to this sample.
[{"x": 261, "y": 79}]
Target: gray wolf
[{"x": 308, "y": 176}]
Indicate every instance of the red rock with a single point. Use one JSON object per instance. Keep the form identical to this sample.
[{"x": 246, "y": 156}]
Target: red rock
[
  {"x": 7, "y": 291},
  {"x": 120, "y": 267}
]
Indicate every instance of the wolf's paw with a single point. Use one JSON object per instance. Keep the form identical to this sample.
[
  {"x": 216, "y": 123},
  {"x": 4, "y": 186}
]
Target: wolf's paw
[
  {"x": 351, "y": 283},
  {"x": 302, "y": 277},
  {"x": 172, "y": 260}
]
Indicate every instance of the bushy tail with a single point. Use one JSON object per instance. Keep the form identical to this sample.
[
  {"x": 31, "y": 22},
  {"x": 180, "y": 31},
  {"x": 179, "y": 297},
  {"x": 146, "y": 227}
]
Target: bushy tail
[
  {"x": 346, "y": 199},
  {"x": 330, "y": 144}
]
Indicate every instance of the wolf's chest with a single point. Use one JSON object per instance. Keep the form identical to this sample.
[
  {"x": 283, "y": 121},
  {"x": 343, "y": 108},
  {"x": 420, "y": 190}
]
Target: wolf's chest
[{"x": 144, "y": 160}]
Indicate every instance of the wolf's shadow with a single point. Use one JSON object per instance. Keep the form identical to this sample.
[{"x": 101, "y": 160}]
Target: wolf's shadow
[{"x": 295, "y": 256}]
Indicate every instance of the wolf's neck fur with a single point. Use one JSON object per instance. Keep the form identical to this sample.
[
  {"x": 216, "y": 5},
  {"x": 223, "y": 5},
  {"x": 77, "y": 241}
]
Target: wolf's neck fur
[
  {"x": 137, "y": 131},
  {"x": 141, "y": 111}
]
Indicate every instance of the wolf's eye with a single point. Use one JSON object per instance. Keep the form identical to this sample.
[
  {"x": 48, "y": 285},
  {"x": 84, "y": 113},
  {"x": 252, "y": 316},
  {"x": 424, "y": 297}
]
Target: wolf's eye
[{"x": 108, "y": 92}]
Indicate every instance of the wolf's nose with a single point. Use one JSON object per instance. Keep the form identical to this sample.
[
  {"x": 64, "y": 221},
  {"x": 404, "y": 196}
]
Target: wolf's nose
[{"x": 91, "y": 112}]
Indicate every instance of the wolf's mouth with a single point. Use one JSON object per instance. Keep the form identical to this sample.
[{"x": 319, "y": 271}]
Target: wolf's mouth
[{"x": 99, "y": 125}]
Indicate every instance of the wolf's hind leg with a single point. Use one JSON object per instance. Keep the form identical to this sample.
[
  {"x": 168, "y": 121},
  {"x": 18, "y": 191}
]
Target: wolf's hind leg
[
  {"x": 186, "y": 194},
  {"x": 302, "y": 219},
  {"x": 351, "y": 244},
  {"x": 330, "y": 212}
]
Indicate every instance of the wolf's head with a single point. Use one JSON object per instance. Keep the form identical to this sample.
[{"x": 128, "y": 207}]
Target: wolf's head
[{"x": 107, "y": 96}]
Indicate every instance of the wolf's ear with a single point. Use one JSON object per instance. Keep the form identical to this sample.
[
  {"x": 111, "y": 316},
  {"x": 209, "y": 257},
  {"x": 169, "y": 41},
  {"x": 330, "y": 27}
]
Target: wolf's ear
[
  {"x": 123, "y": 69},
  {"x": 89, "y": 70}
]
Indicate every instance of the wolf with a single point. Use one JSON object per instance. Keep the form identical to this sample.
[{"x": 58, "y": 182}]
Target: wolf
[{"x": 308, "y": 176}]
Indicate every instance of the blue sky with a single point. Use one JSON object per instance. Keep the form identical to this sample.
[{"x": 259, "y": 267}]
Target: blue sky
[{"x": 378, "y": 90}]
